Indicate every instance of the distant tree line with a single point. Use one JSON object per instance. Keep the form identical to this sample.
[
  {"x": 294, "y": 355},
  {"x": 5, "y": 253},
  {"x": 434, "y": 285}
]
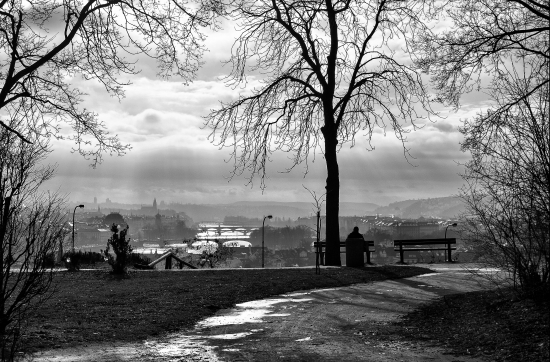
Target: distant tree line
[
  {"x": 243, "y": 220},
  {"x": 177, "y": 230},
  {"x": 287, "y": 237}
]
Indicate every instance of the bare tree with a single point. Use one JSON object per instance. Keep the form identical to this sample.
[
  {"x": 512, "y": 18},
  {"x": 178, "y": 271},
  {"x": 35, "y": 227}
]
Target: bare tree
[
  {"x": 46, "y": 43},
  {"x": 330, "y": 71},
  {"x": 507, "y": 188},
  {"x": 31, "y": 229},
  {"x": 317, "y": 206},
  {"x": 502, "y": 47}
]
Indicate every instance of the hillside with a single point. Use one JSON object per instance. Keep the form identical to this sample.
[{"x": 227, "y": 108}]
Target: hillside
[
  {"x": 441, "y": 207},
  {"x": 254, "y": 209}
]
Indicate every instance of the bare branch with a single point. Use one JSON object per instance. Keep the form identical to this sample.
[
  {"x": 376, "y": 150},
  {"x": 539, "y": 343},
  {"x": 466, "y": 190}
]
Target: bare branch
[{"x": 44, "y": 43}]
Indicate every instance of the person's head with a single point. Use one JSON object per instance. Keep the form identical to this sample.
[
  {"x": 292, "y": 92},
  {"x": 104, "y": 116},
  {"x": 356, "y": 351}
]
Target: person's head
[{"x": 356, "y": 229}]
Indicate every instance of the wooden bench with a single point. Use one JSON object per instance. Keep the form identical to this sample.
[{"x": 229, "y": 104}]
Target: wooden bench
[
  {"x": 320, "y": 250},
  {"x": 421, "y": 245}
]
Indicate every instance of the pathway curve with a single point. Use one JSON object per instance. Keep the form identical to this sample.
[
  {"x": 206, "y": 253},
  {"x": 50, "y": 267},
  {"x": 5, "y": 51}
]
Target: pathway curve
[{"x": 339, "y": 324}]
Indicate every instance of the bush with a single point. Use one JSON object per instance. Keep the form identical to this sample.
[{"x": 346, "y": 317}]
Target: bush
[
  {"x": 49, "y": 261},
  {"x": 79, "y": 258},
  {"x": 122, "y": 249},
  {"x": 72, "y": 260},
  {"x": 136, "y": 258},
  {"x": 215, "y": 258}
]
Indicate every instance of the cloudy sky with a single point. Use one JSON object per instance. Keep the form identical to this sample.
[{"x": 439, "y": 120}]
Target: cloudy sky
[{"x": 172, "y": 160}]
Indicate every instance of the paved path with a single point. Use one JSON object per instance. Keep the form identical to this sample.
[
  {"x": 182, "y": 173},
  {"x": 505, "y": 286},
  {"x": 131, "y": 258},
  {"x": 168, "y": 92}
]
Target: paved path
[{"x": 337, "y": 324}]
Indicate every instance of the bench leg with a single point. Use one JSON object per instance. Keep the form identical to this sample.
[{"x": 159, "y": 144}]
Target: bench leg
[
  {"x": 317, "y": 266},
  {"x": 401, "y": 252},
  {"x": 368, "y": 252}
]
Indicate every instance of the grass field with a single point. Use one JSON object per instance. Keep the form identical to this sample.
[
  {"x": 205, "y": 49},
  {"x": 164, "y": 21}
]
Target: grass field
[
  {"x": 494, "y": 325},
  {"x": 94, "y": 306}
]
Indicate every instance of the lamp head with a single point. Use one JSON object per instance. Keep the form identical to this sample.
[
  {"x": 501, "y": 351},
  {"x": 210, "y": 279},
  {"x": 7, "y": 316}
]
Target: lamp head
[
  {"x": 81, "y": 206},
  {"x": 454, "y": 224},
  {"x": 269, "y": 216}
]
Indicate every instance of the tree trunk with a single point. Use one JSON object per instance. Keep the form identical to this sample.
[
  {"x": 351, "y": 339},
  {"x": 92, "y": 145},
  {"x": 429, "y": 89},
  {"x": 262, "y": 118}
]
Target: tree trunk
[{"x": 332, "y": 256}]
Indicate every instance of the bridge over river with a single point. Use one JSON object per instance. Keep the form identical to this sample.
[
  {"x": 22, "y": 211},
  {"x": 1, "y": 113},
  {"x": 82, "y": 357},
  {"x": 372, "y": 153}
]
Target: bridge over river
[
  {"x": 207, "y": 231},
  {"x": 226, "y": 232}
]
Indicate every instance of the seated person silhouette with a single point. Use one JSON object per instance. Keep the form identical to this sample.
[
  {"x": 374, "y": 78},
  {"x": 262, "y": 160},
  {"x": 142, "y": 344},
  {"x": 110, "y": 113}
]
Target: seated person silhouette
[{"x": 355, "y": 234}]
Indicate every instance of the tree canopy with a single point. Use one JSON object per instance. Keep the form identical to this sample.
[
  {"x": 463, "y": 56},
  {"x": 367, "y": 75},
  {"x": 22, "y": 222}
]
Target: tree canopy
[
  {"x": 328, "y": 71},
  {"x": 483, "y": 36},
  {"x": 45, "y": 44}
]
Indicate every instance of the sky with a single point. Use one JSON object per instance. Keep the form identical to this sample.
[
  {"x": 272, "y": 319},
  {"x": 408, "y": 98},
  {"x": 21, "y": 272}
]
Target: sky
[{"x": 172, "y": 159}]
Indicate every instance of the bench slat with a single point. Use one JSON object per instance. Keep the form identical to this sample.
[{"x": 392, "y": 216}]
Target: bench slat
[
  {"x": 320, "y": 247},
  {"x": 342, "y": 243},
  {"x": 423, "y": 249},
  {"x": 424, "y": 242},
  {"x": 398, "y": 245}
]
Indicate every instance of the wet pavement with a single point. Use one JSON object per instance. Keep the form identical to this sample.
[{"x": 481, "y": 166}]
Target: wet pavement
[{"x": 337, "y": 324}]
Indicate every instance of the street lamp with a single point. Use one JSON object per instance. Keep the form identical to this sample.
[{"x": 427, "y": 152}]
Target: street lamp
[
  {"x": 263, "y": 232},
  {"x": 453, "y": 224},
  {"x": 76, "y": 207}
]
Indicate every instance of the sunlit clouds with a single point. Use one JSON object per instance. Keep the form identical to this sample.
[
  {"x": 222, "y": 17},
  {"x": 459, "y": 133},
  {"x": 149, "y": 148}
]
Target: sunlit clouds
[{"x": 172, "y": 159}]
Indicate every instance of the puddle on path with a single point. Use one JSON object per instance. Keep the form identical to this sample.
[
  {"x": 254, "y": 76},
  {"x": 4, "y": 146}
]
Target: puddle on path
[
  {"x": 249, "y": 312},
  {"x": 179, "y": 348},
  {"x": 253, "y": 312}
]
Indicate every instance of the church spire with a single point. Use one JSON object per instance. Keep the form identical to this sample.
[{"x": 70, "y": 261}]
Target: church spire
[{"x": 155, "y": 203}]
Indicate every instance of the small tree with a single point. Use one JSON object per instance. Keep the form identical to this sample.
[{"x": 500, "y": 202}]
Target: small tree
[
  {"x": 122, "y": 249},
  {"x": 216, "y": 258},
  {"x": 31, "y": 230},
  {"x": 507, "y": 189}
]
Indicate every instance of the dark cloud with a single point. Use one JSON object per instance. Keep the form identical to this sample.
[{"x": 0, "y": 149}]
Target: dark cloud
[
  {"x": 445, "y": 127},
  {"x": 197, "y": 173}
]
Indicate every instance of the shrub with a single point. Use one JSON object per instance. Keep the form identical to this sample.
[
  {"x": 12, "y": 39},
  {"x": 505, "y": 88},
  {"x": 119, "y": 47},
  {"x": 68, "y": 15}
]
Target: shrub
[
  {"x": 72, "y": 260},
  {"x": 136, "y": 258},
  {"x": 122, "y": 249}
]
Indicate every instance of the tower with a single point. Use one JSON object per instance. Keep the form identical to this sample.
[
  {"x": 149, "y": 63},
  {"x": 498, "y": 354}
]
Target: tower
[{"x": 155, "y": 204}]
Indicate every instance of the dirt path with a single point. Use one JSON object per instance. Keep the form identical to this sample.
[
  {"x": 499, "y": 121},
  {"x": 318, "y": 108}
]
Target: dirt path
[{"x": 342, "y": 324}]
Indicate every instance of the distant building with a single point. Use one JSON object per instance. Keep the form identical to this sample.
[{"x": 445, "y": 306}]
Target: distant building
[
  {"x": 415, "y": 229},
  {"x": 149, "y": 210}
]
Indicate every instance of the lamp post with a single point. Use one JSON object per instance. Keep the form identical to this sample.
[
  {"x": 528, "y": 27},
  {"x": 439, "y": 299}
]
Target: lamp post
[
  {"x": 76, "y": 207},
  {"x": 453, "y": 224},
  {"x": 263, "y": 233}
]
